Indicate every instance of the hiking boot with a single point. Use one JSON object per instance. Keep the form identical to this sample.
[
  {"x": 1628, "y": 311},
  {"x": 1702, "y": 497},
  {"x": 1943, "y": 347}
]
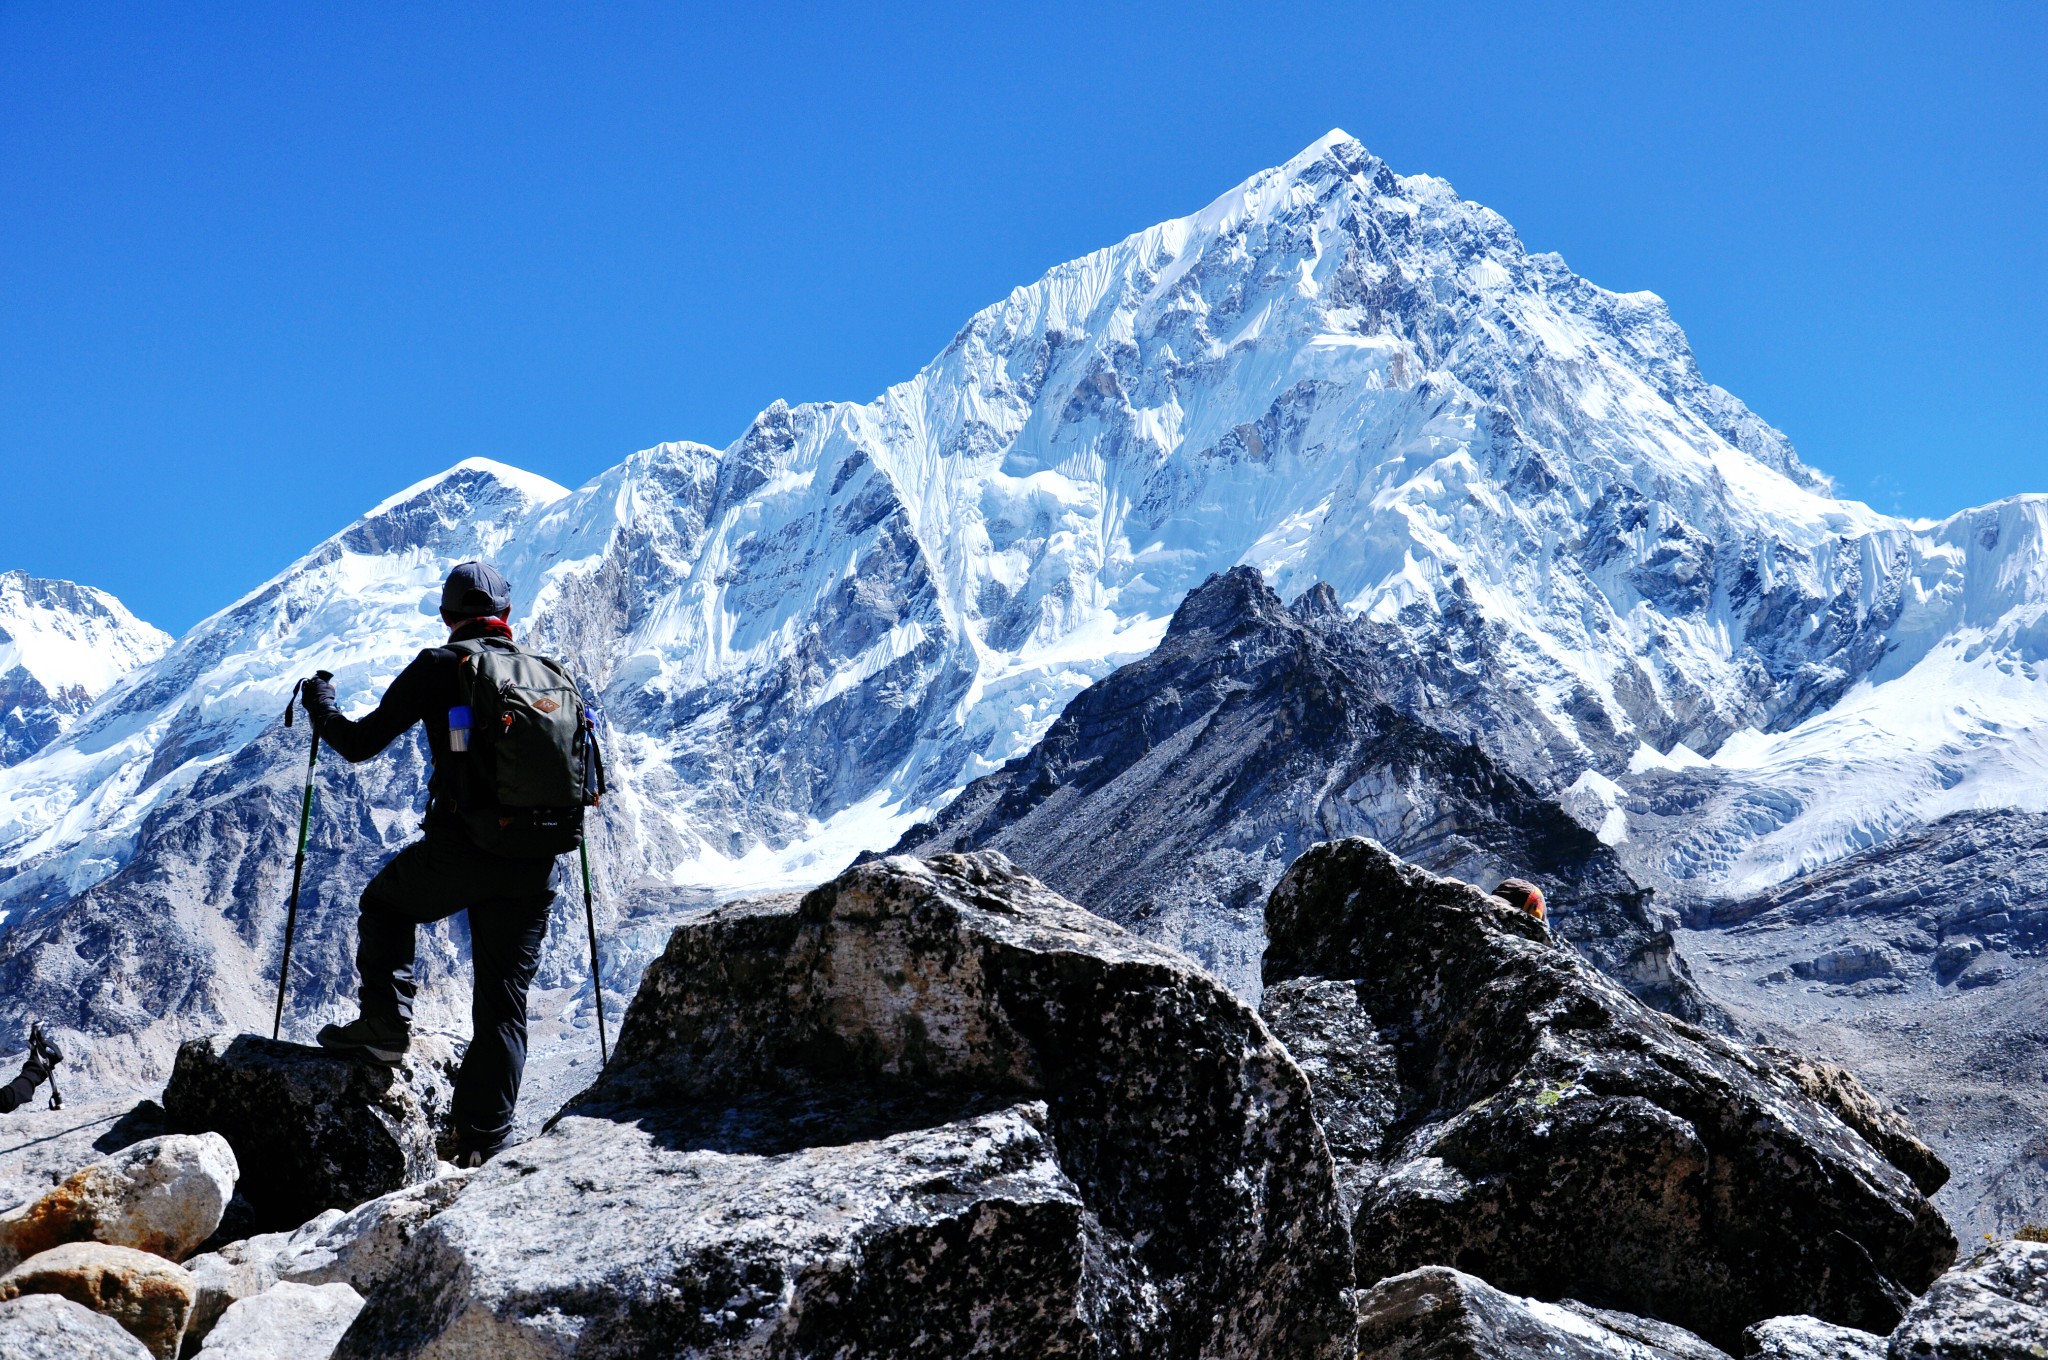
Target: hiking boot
[{"x": 382, "y": 1040}]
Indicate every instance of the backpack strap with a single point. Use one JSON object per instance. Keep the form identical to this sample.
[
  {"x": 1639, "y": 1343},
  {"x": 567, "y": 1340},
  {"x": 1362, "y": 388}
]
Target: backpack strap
[{"x": 473, "y": 647}]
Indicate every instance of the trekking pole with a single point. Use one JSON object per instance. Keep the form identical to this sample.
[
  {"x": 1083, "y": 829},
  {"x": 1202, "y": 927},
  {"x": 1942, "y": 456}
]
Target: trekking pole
[
  {"x": 291, "y": 915},
  {"x": 596, "y": 981},
  {"x": 595, "y": 789}
]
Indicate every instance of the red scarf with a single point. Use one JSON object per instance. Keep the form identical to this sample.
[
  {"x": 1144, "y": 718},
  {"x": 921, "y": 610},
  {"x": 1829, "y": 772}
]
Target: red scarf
[{"x": 489, "y": 626}]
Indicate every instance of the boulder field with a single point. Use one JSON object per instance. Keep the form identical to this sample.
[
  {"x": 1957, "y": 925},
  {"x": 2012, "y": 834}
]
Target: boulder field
[
  {"x": 929, "y": 1109},
  {"x": 932, "y": 1109}
]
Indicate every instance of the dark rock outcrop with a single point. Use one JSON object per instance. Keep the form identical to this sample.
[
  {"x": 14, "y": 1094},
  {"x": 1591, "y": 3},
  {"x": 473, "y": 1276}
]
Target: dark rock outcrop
[
  {"x": 1882, "y": 1126},
  {"x": 1171, "y": 795},
  {"x": 313, "y": 1129},
  {"x": 1994, "y": 1308},
  {"x": 1556, "y": 1137},
  {"x": 1437, "y": 1313},
  {"x": 1351, "y": 1070},
  {"x": 929, "y": 1110}
]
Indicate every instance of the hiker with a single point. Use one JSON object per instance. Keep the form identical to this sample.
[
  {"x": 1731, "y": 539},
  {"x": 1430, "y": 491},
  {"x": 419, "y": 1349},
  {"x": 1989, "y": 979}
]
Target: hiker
[
  {"x": 479, "y": 851},
  {"x": 43, "y": 1057},
  {"x": 1523, "y": 895}
]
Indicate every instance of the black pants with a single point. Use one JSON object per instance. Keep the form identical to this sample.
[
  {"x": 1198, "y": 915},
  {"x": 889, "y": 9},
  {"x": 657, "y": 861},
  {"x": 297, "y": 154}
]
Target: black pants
[{"x": 507, "y": 901}]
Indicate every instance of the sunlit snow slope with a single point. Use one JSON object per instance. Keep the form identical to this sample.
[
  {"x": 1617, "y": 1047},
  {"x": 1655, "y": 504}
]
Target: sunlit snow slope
[
  {"x": 1954, "y": 718},
  {"x": 61, "y": 646},
  {"x": 1578, "y": 551}
]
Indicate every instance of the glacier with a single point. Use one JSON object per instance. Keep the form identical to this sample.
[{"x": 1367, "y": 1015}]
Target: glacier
[
  {"x": 62, "y": 645},
  {"x": 1589, "y": 559}
]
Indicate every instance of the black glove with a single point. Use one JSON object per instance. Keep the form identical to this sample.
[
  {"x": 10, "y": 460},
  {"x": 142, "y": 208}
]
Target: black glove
[
  {"x": 316, "y": 694},
  {"x": 35, "y": 1070},
  {"x": 40, "y": 1048}
]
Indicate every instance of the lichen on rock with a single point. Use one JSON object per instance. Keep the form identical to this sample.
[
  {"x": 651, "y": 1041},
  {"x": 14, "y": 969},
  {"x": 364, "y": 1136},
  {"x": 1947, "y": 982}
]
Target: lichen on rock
[
  {"x": 1995, "y": 1307},
  {"x": 1558, "y": 1138},
  {"x": 164, "y": 1195}
]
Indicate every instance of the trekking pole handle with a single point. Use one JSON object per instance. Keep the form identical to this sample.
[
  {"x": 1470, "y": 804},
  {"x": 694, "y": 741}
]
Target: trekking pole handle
[{"x": 293, "y": 701}]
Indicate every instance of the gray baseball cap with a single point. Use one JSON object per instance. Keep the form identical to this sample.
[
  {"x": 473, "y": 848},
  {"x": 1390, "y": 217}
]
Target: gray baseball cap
[{"x": 474, "y": 591}]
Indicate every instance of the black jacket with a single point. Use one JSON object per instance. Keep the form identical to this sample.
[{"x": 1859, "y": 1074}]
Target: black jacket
[
  {"x": 18, "y": 1092},
  {"x": 423, "y": 693}
]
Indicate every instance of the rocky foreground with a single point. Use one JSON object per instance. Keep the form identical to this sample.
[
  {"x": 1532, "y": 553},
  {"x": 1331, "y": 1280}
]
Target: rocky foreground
[{"x": 932, "y": 1109}]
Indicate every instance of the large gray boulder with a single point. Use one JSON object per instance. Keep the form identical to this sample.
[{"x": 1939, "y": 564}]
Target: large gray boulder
[
  {"x": 1994, "y": 1308},
  {"x": 1556, "y": 1137},
  {"x": 363, "y": 1247},
  {"x": 285, "y": 1322},
  {"x": 244, "y": 1268},
  {"x": 314, "y": 1130},
  {"x": 163, "y": 1195},
  {"x": 931, "y": 1110},
  {"x": 51, "y": 1327},
  {"x": 604, "y": 1239},
  {"x": 360, "y": 1248},
  {"x": 1437, "y": 1313}
]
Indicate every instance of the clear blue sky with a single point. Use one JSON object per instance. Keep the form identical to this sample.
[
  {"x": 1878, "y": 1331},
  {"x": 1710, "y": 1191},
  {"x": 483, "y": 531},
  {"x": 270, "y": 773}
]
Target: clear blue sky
[{"x": 261, "y": 265}]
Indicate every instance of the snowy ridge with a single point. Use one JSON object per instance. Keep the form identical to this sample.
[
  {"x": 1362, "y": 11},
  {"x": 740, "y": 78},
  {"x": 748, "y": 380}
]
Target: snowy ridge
[
  {"x": 362, "y": 604},
  {"x": 808, "y": 640},
  {"x": 1953, "y": 719},
  {"x": 62, "y": 645}
]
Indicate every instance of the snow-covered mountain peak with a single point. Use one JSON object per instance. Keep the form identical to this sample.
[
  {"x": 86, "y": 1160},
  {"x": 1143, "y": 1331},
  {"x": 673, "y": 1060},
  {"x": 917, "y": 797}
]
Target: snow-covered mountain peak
[
  {"x": 62, "y": 645},
  {"x": 361, "y": 604},
  {"x": 1578, "y": 548},
  {"x": 71, "y": 637},
  {"x": 471, "y": 473}
]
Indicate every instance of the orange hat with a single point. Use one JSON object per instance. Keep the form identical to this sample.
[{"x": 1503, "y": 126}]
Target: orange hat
[{"x": 1520, "y": 892}]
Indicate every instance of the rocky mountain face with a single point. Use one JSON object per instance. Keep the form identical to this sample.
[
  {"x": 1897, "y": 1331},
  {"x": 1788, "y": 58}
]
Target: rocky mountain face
[
  {"x": 1171, "y": 795},
  {"x": 1953, "y": 719},
  {"x": 62, "y": 645},
  {"x": 932, "y": 1109},
  {"x": 1921, "y": 964}
]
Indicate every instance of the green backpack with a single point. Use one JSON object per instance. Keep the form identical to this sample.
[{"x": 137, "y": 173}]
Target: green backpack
[{"x": 532, "y": 764}]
